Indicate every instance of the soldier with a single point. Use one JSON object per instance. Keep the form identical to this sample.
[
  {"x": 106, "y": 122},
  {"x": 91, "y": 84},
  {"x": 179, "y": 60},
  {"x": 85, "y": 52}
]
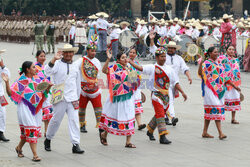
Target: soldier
[
  {"x": 50, "y": 30},
  {"x": 39, "y": 35}
]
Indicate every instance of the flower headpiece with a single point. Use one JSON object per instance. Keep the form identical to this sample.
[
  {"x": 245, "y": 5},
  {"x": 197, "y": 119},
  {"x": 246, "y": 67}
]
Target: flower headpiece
[
  {"x": 160, "y": 50},
  {"x": 93, "y": 42}
]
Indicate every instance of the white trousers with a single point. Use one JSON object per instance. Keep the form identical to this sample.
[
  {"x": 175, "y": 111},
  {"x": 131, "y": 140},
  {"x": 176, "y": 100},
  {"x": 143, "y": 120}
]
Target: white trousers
[
  {"x": 171, "y": 102},
  {"x": 2, "y": 118},
  {"x": 59, "y": 110}
]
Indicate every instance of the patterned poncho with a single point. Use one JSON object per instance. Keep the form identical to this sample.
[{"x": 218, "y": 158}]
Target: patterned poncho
[
  {"x": 119, "y": 87},
  {"x": 214, "y": 77},
  {"x": 137, "y": 84},
  {"x": 41, "y": 73},
  {"x": 232, "y": 69},
  {"x": 24, "y": 89}
]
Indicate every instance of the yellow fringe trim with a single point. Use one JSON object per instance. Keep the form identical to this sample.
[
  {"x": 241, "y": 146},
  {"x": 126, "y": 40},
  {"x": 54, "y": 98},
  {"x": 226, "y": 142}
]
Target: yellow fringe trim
[
  {"x": 164, "y": 133},
  {"x": 83, "y": 123},
  {"x": 150, "y": 130}
]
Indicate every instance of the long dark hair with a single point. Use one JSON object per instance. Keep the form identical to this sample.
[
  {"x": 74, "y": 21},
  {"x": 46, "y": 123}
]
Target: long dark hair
[{"x": 25, "y": 66}]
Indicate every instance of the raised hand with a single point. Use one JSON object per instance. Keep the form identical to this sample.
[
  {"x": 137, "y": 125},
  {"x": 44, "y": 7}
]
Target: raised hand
[
  {"x": 109, "y": 53},
  {"x": 58, "y": 55}
]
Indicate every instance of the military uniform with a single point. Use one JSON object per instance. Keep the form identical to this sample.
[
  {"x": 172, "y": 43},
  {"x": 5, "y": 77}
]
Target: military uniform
[
  {"x": 39, "y": 36},
  {"x": 50, "y": 30}
]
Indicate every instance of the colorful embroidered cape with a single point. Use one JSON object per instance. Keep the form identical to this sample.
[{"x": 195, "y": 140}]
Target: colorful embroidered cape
[
  {"x": 214, "y": 77},
  {"x": 119, "y": 87},
  {"x": 41, "y": 73},
  {"x": 232, "y": 69},
  {"x": 89, "y": 73},
  {"x": 24, "y": 89},
  {"x": 162, "y": 81},
  {"x": 89, "y": 70},
  {"x": 138, "y": 83}
]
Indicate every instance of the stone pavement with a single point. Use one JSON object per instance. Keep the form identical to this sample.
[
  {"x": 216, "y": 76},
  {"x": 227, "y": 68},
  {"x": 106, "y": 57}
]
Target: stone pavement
[{"x": 188, "y": 149}]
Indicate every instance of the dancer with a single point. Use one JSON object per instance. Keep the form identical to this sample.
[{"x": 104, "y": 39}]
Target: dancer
[
  {"x": 47, "y": 110},
  {"x": 137, "y": 92},
  {"x": 89, "y": 68},
  {"x": 228, "y": 34},
  {"x": 232, "y": 68},
  {"x": 118, "y": 116},
  {"x": 4, "y": 102},
  {"x": 214, "y": 82},
  {"x": 67, "y": 79},
  {"x": 161, "y": 79},
  {"x": 178, "y": 64},
  {"x": 29, "y": 111}
]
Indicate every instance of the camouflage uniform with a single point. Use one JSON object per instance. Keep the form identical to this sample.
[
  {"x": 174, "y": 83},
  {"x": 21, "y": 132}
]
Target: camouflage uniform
[
  {"x": 39, "y": 36},
  {"x": 50, "y": 30}
]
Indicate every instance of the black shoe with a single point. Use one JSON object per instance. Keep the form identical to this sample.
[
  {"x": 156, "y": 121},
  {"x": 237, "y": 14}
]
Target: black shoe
[
  {"x": 47, "y": 145},
  {"x": 164, "y": 140},
  {"x": 83, "y": 129},
  {"x": 2, "y": 137},
  {"x": 174, "y": 121},
  {"x": 76, "y": 149},
  {"x": 167, "y": 121},
  {"x": 142, "y": 126},
  {"x": 151, "y": 136}
]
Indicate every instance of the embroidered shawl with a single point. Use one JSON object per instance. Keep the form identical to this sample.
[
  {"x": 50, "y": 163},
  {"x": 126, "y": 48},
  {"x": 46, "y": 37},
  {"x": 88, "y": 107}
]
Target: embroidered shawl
[
  {"x": 41, "y": 73},
  {"x": 232, "y": 69},
  {"x": 24, "y": 89},
  {"x": 119, "y": 87},
  {"x": 138, "y": 83},
  {"x": 214, "y": 77}
]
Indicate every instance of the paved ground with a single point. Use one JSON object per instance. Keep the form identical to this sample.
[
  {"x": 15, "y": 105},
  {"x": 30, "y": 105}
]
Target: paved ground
[{"x": 187, "y": 149}]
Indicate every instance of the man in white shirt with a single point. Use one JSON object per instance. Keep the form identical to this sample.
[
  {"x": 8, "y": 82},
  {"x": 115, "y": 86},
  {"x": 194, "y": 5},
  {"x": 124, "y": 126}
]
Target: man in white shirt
[
  {"x": 114, "y": 37},
  {"x": 63, "y": 71},
  {"x": 72, "y": 33},
  {"x": 161, "y": 78},
  {"x": 3, "y": 101},
  {"x": 178, "y": 64},
  {"x": 102, "y": 26},
  {"x": 216, "y": 31},
  {"x": 89, "y": 68}
]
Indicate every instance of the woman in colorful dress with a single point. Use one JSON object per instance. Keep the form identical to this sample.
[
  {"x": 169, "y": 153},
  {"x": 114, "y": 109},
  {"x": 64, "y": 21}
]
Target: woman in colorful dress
[
  {"x": 228, "y": 34},
  {"x": 232, "y": 69},
  {"x": 29, "y": 106},
  {"x": 47, "y": 109},
  {"x": 214, "y": 80},
  {"x": 118, "y": 115},
  {"x": 137, "y": 91}
]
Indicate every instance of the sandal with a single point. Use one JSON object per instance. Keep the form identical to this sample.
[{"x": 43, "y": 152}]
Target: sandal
[
  {"x": 222, "y": 137},
  {"x": 103, "y": 140},
  {"x": 234, "y": 122},
  {"x": 19, "y": 153},
  {"x": 36, "y": 159},
  {"x": 130, "y": 145},
  {"x": 207, "y": 136}
]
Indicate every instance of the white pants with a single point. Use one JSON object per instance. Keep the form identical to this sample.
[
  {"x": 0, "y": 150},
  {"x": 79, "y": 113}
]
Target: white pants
[
  {"x": 2, "y": 118},
  {"x": 59, "y": 110},
  {"x": 171, "y": 102}
]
